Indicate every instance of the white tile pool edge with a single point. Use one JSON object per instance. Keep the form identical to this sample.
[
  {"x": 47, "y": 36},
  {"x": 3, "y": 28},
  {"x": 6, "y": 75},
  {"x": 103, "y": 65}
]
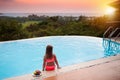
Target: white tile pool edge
[
  {"x": 68, "y": 68},
  {"x": 45, "y": 37}
]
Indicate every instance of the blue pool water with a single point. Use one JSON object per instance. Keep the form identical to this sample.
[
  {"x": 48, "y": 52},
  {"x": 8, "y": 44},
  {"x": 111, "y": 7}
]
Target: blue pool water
[{"x": 24, "y": 56}]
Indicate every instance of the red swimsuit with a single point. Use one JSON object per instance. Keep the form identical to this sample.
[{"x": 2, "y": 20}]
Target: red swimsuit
[{"x": 52, "y": 67}]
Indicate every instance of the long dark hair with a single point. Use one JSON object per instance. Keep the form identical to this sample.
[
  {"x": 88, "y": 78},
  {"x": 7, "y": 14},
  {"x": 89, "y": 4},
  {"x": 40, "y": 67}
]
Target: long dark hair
[{"x": 49, "y": 51}]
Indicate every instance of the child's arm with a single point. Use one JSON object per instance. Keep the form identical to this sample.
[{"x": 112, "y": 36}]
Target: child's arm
[
  {"x": 43, "y": 64},
  {"x": 56, "y": 62}
]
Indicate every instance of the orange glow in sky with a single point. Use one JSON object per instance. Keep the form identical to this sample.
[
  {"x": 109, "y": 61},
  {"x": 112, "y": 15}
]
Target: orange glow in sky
[
  {"x": 55, "y": 6},
  {"x": 110, "y": 10}
]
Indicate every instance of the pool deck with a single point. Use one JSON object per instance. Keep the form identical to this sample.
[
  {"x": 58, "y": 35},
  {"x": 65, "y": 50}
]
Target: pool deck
[{"x": 101, "y": 69}]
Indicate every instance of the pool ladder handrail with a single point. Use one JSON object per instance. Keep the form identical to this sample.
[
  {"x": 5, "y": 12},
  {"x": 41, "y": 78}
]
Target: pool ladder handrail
[
  {"x": 117, "y": 35},
  {"x": 110, "y": 28},
  {"x": 112, "y": 33},
  {"x": 109, "y": 45}
]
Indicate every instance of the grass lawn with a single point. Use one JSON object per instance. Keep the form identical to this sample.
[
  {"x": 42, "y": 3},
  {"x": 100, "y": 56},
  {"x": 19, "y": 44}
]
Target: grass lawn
[{"x": 27, "y": 23}]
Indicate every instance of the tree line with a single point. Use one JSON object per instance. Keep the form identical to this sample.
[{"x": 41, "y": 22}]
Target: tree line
[{"x": 11, "y": 28}]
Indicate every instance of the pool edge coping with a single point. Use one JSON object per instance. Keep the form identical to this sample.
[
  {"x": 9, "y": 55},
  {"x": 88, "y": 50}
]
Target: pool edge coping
[{"x": 46, "y": 37}]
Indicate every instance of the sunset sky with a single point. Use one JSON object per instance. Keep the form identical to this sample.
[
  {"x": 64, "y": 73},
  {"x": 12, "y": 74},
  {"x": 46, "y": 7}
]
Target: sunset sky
[{"x": 54, "y": 6}]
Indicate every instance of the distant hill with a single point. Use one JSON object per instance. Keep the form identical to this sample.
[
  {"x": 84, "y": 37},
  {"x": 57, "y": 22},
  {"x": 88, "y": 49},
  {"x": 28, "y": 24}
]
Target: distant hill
[{"x": 1, "y": 13}]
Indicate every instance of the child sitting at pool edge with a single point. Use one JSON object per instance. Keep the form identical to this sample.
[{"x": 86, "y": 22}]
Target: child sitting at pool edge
[{"x": 50, "y": 60}]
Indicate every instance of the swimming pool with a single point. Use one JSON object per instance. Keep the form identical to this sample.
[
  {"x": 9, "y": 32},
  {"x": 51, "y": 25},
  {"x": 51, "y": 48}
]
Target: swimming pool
[{"x": 24, "y": 56}]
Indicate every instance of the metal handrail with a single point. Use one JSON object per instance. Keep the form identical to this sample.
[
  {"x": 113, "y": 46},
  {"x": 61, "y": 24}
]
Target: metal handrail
[
  {"x": 107, "y": 31},
  {"x": 117, "y": 36},
  {"x": 113, "y": 32}
]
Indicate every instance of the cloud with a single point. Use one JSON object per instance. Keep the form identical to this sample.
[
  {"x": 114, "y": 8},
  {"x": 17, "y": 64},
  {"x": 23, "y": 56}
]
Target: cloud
[
  {"x": 52, "y": 5},
  {"x": 5, "y": 3},
  {"x": 6, "y": 0}
]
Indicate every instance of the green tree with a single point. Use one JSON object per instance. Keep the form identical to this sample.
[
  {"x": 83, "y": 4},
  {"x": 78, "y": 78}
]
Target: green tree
[{"x": 11, "y": 30}]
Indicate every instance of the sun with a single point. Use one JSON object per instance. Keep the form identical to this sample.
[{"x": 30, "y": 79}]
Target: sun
[{"x": 110, "y": 10}]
